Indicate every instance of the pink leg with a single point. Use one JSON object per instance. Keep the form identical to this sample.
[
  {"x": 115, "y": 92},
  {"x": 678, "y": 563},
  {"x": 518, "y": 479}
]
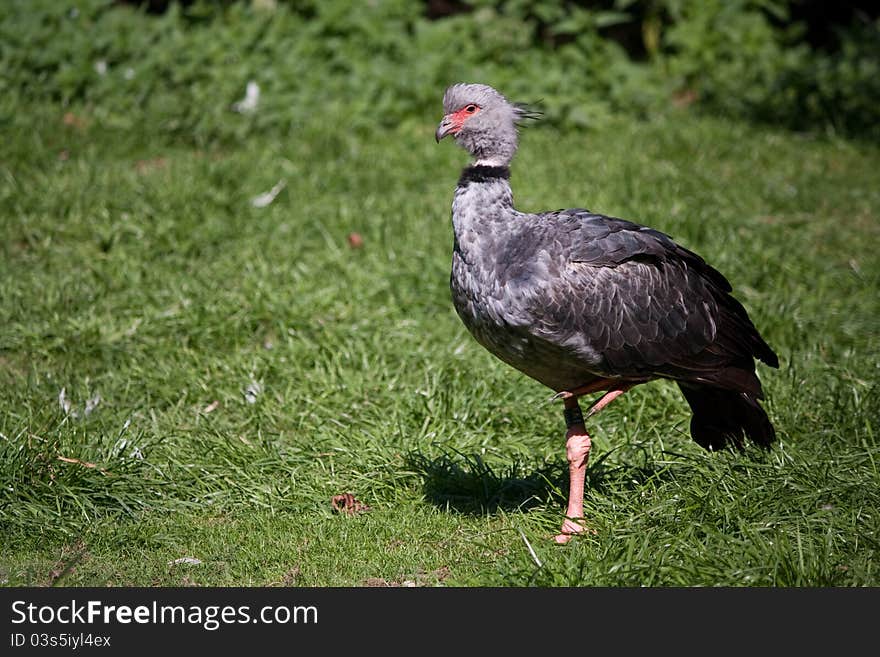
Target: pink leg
[
  {"x": 595, "y": 386},
  {"x": 577, "y": 449},
  {"x": 607, "y": 398}
]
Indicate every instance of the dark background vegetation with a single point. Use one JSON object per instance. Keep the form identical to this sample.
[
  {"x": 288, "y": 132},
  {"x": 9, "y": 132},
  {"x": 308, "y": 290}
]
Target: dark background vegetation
[{"x": 802, "y": 64}]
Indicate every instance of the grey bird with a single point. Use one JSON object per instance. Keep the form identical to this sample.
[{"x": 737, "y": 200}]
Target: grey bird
[{"x": 586, "y": 303}]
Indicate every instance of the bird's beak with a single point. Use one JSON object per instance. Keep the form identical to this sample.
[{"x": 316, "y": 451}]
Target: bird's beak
[{"x": 446, "y": 127}]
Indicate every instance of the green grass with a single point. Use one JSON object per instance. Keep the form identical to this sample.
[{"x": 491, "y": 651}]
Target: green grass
[{"x": 135, "y": 268}]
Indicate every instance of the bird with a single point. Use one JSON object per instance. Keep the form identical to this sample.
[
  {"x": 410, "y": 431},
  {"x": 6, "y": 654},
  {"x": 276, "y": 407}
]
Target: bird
[{"x": 586, "y": 303}]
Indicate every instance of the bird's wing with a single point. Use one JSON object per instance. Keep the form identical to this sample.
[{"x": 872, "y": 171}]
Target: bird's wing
[{"x": 646, "y": 305}]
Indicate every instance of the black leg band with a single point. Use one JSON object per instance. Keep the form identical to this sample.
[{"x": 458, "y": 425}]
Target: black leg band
[{"x": 573, "y": 416}]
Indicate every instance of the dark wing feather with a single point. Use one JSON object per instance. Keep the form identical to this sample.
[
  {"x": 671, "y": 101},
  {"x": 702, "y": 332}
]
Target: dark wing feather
[{"x": 650, "y": 307}]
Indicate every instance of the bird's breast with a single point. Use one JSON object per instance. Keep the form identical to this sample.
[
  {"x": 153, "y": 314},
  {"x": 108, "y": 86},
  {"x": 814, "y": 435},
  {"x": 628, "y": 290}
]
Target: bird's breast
[{"x": 500, "y": 314}]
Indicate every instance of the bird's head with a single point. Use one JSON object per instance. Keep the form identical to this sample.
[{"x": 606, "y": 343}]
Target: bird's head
[{"x": 483, "y": 122}]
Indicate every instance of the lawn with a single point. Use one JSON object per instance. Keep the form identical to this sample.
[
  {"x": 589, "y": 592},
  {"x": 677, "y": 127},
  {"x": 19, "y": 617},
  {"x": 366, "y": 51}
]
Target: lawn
[{"x": 187, "y": 380}]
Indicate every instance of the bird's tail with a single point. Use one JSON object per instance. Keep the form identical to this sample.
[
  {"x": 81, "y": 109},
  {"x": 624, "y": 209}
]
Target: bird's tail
[{"x": 723, "y": 418}]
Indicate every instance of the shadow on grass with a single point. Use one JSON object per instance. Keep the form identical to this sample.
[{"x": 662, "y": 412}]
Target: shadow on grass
[{"x": 467, "y": 484}]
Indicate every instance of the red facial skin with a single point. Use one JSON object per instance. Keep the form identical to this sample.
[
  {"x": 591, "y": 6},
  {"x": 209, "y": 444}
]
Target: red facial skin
[
  {"x": 452, "y": 123},
  {"x": 463, "y": 114}
]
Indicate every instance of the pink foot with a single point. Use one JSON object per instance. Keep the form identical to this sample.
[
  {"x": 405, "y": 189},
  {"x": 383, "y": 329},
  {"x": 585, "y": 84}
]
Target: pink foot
[{"x": 570, "y": 528}]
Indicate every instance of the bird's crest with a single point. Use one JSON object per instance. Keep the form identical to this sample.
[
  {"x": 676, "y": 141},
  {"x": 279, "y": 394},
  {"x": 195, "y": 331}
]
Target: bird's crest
[{"x": 527, "y": 112}]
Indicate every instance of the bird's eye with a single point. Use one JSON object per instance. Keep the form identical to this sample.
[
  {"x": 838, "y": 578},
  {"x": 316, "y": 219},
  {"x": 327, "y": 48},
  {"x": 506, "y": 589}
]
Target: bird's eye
[{"x": 470, "y": 109}]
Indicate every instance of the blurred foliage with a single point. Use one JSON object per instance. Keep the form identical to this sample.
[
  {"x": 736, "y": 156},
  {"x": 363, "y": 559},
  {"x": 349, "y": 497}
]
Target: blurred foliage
[
  {"x": 747, "y": 59},
  {"x": 180, "y": 67}
]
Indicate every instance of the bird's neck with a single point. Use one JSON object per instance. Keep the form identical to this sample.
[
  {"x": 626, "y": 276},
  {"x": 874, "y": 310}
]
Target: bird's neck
[
  {"x": 494, "y": 177},
  {"x": 483, "y": 203},
  {"x": 483, "y": 194},
  {"x": 492, "y": 161}
]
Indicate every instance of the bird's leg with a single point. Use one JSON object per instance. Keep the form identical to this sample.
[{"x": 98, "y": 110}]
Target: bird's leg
[
  {"x": 577, "y": 449},
  {"x": 607, "y": 398},
  {"x": 595, "y": 386}
]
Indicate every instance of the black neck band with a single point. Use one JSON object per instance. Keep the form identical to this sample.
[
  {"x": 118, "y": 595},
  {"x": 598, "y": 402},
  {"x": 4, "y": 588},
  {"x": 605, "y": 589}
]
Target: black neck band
[{"x": 480, "y": 173}]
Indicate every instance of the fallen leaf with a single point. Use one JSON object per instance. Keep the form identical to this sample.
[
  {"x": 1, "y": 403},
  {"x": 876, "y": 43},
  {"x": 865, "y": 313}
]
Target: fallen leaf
[
  {"x": 264, "y": 199},
  {"x": 289, "y": 578},
  {"x": 250, "y": 101},
  {"x": 64, "y": 402},
  {"x": 85, "y": 464},
  {"x": 73, "y": 121},
  {"x": 152, "y": 164},
  {"x": 252, "y": 391},
  {"x": 684, "y": 98},
  {"x": 378, "y": 582},
  {"x": 348, "y": 504},
  {"x": 191, "y": 561},
  {"x": 211, "y": 407},
  {"x": 92, "y": 403}
]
